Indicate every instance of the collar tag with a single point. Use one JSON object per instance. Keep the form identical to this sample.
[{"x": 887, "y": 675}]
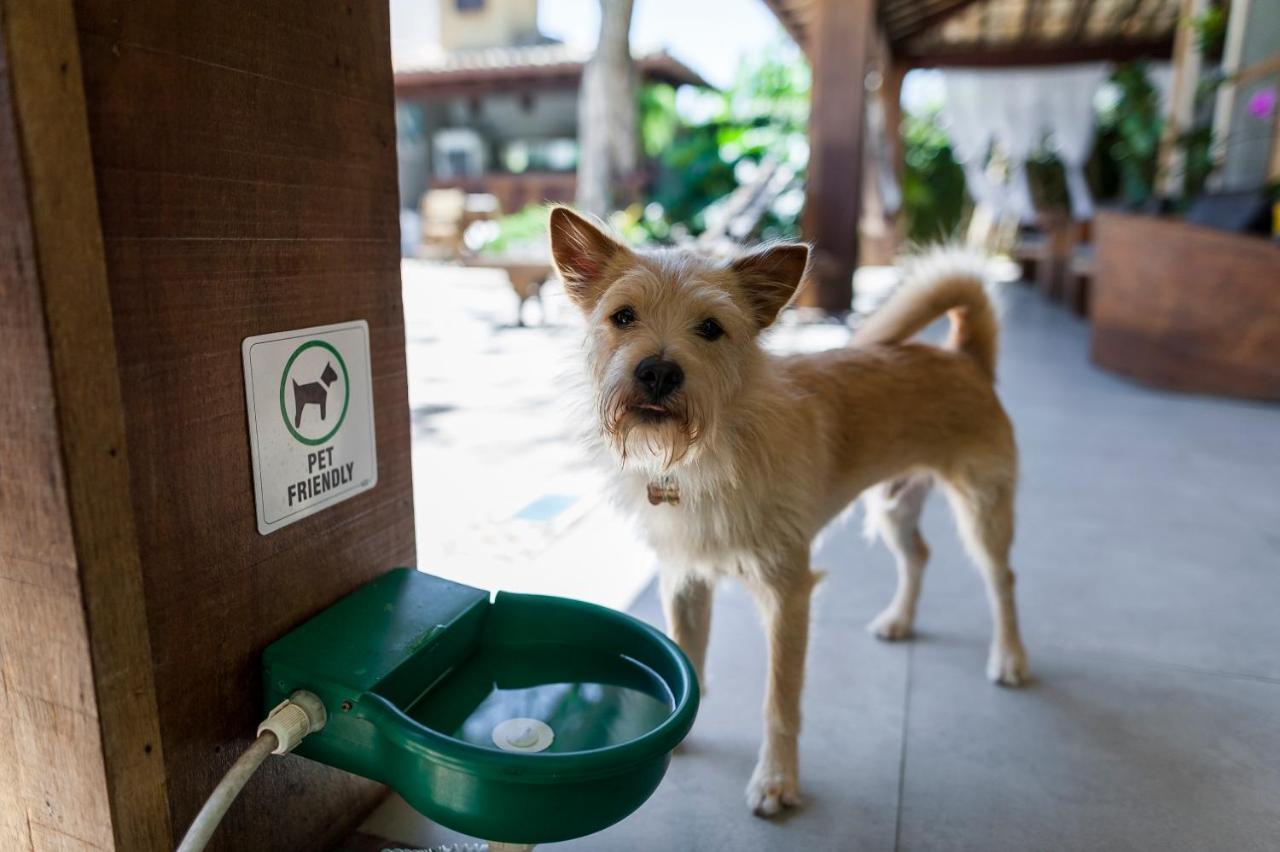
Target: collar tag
[{"x": 665, "y": 490}]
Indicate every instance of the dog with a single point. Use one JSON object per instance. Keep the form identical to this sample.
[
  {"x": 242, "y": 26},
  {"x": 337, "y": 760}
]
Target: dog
[
  {"x": 733, "y": 459},
  {"x": 312, "y": 393}
]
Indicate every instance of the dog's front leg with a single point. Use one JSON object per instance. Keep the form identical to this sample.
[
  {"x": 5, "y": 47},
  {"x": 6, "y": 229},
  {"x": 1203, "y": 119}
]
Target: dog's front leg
[
  {"x": 784, "y": 608},
  {"x": 686, "y": 602}
]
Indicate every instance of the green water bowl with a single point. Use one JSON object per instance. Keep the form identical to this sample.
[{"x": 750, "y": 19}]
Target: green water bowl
[{"x": 527, "y": 719}]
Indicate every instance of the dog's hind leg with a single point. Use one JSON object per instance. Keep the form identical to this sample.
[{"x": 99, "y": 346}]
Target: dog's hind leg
[
  {"x": 784, "y": 608},
  {"x": 893, "y": 512},
  {"x": 983, "y": 506},
  {"x": 686, "y": 603}
]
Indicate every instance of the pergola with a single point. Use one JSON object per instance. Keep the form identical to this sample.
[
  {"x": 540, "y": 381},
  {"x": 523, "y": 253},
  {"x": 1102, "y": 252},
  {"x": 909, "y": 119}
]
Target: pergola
[{"x": 845, "y": 40}]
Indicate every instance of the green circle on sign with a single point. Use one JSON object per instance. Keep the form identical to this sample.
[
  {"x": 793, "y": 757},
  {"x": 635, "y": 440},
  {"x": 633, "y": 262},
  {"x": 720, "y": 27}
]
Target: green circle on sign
[{"x": 346, "y": 392}]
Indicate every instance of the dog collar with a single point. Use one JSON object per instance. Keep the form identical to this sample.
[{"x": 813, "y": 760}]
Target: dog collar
[{"x": 664, "y": 490}]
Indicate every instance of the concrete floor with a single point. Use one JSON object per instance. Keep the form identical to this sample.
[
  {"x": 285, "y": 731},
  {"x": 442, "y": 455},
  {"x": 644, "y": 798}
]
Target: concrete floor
[{"x": 1148, "y": 556}]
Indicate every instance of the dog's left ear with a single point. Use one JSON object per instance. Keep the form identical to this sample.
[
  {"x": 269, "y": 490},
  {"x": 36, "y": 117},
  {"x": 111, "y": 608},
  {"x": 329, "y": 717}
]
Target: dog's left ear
[
  {"x": 583, "y": 254},
  {"x": 770, "y": 277}
]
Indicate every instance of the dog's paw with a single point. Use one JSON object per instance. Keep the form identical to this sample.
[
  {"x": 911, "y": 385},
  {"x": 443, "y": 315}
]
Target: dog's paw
[
  {"x": 890, "y": 626},
  {"x": 770, "y": 791},
  {"x": 1007, "y": 666}
]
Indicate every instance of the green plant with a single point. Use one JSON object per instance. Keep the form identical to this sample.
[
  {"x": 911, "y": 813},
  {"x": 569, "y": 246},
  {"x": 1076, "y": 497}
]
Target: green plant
[
  {"x": 697, "y": 162},
  {"x": 933, "y": 192},
  {"x": 519, "y": 230},
  {"x": 1128, "y": 142},
  {"x": 1211, "y": 29}
]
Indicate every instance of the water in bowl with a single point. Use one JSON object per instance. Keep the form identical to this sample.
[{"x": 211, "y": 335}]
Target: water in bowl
[{"x": 590, "y": 701}]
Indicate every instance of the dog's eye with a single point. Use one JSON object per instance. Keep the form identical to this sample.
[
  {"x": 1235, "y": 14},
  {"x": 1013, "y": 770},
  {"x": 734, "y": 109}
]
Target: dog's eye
[
  {"x": 709, "y": 329},
  {"x": 623, "y": 317}
]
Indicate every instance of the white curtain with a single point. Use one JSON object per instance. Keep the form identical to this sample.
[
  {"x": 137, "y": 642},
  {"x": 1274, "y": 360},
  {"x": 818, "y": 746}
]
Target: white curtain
[
  {"x": 1017, "y": 110},
  {"x": 971, "y": 135}
]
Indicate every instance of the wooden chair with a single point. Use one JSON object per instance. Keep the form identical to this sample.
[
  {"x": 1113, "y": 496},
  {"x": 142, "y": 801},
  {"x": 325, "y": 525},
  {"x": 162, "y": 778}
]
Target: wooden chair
[{"x": 443, "y": 214}]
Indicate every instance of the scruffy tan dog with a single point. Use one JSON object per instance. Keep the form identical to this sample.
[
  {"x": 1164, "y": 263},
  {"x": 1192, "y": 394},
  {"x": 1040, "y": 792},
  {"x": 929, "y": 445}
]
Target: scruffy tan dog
[{"x": 733, "y": 459}]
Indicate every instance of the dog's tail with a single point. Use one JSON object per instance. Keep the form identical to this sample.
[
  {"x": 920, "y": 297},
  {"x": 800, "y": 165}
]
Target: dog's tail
[{"x": 945, "y": 280}]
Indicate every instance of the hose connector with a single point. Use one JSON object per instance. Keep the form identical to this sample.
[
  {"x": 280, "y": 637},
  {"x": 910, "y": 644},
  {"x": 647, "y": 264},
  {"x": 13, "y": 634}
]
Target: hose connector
[{"x": 301, "y": 714}]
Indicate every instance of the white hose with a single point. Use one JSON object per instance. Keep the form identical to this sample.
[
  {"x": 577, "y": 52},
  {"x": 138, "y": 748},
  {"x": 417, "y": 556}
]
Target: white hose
[
  {"x": 206, "y": 822},
  {"x": 470, "y": 847},
  {"x": 285, "y": 726}
]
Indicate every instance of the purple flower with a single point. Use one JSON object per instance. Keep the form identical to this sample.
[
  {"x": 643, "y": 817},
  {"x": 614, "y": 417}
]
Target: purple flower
[{"x": 1262, "y": 103}]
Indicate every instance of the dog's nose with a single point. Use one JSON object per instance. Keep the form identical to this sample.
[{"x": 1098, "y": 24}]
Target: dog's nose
[{"x": 659, "y": 377}]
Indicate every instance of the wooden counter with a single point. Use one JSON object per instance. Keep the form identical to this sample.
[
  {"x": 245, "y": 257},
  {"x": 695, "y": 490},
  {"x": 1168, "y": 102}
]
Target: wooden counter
[{"x": 1187, "y": 308}]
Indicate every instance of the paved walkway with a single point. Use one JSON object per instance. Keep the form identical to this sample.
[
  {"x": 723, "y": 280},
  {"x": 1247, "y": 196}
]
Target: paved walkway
[{"x": 1149, "y": 580}]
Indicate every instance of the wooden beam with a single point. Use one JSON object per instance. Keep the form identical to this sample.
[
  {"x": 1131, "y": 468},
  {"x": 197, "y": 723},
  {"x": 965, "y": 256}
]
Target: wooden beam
[
  {"x": 93, "y": 704},
  {"x": 891, "y": 93},
  {"x": 789, "y": 23},
  {"x": 420, "y": 90},
  {"x": 1224, "y": 103},
  {"x": 1032, "y": 13},
  {"x": 1084, "y": 8},
  {"x": 902, "y": 11},
  {"x": 135, "y": 256},
  {"x": 1273, "y": 169},
  {"x": 938, "y": 16},
  {"x": 1171, "y": 159},
  {"x": 980, "y": 56},
  {"x": 841, "y": 56},
  {"x": 1122, "y": 15}
]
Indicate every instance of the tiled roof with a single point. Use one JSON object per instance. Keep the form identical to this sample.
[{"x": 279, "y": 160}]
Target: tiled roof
[
  {"x": 1008, "y": 32},
  {"x": 536, "y": 60}
]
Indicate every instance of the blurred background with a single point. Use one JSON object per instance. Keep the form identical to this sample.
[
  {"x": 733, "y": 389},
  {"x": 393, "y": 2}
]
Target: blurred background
[
  {"x": 1117, "y": 159},
  {"x": 1006, "y": 124}
]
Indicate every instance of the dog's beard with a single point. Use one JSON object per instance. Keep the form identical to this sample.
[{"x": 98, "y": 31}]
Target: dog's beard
[{"x": 647, "y": 435}]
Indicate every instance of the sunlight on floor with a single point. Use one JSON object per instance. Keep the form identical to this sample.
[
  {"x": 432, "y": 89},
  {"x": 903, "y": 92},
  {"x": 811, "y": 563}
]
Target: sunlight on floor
[{"x": 504, "y": 494}]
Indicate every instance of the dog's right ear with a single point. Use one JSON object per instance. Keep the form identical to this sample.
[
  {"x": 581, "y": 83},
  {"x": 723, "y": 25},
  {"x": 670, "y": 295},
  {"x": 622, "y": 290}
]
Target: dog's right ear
[{"x": 582, "y": 254}]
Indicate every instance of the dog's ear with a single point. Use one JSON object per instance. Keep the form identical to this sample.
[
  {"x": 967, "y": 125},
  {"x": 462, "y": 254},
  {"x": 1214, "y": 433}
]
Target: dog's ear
[
  {"x": 582, "y": 254},
  {"x": 770, "y": 278}
]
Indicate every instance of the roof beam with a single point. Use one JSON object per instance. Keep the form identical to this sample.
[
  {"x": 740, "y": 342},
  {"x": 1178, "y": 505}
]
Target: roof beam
[
  {"x": 987, "y": 56},
  {"x": 1122, "y": 16},
  {"x": 936, "y": 17},
  {"x": 1081, "y": 19},
  {"x": 789, "y": 22},
  {"x": 897, "y": 13},
  {"x": 1032, "y": 12}
]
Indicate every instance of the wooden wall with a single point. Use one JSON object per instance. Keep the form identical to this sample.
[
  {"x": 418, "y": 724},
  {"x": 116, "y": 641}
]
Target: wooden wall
[
  {"x": 1187, "y": 308},
  {"x": 242, "y": 157},
  {"x": 48, "y": 709}
]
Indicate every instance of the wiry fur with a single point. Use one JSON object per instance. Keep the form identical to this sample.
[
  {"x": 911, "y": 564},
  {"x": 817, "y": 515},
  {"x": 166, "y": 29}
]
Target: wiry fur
[
  {"x": 945, "y": 280},
  {"x": 765, "y": 450}
]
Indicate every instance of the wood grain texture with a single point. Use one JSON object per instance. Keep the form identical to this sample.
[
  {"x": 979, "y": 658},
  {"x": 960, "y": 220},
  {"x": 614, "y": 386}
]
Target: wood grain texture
[
  {"x": 840, "y": 49},
  {"x": 76, "y": 661},
  {"x": 1185, "y": 307},
  {"x": 174, "y": 177},
  {"x": 245, "y": 161}
]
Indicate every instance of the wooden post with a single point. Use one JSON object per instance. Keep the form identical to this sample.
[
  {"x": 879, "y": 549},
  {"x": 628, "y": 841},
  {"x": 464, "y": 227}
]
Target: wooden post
[
  {"x": 1273, "y": 169},
  {"x": 175, "y": 177},
  {"x": 1224, "y": 102},
  {"x": 879, "y": 236},
  {"x": 78, "y": 717},
  {"x": 892, "y": 94},
  {"x": 840, "y": 49},
  {"x": 1171, "y": 160}
]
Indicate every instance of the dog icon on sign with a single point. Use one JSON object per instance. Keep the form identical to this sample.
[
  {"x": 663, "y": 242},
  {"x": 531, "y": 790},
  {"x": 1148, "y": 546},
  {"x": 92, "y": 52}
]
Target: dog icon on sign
[{"x": 313, "y": 393}]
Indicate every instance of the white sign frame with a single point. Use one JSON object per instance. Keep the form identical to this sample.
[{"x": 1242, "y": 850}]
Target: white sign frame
[{"x": 296, "y": 475}]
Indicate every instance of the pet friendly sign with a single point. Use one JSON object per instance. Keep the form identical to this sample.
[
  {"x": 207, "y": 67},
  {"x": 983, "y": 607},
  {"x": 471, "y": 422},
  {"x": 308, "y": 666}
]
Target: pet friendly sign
[{"x": 310, "y": 401}]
